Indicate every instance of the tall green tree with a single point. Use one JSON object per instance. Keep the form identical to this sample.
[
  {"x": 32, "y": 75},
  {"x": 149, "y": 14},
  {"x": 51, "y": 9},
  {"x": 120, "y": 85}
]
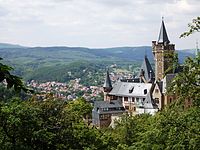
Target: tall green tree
[
  {"x": 11, "y": 80},
  {"x": 186, "y": 84},
  {"x": 193, "y": 27},
  {"x": 48, "y": 124}
]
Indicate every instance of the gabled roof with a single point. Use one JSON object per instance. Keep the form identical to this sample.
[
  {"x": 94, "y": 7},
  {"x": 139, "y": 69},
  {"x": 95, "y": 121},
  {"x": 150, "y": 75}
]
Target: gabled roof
[
  {"x": 130, "y": 89},
  {"x": 107, "y": 83},
  {"x": 147, "y": 70},
  {"x": 107, "y": 104},
  {"x": 163, "y": 38},
  {"x": 106, "y": 107},
  {"x": 149, "y": 103}
]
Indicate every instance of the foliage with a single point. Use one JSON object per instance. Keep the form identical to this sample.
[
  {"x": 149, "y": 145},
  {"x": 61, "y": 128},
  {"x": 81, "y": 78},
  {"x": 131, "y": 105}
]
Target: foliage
[
  {"x": 80, "y": 107},
  {"x": 55, "y": 124},
  {"x": 175, "y": 63},
  {"x": 193, "y": 27},
  {"x": 129, "y": 128},
  {"x": 172, "y": 128},
  {"x": 186, "y": 84},
  {"x": 11, "y": 80},
  {"x": 50, "y": 124},
  {"x": 53, "y": 63},
  {"x": 90, "y": 73}
]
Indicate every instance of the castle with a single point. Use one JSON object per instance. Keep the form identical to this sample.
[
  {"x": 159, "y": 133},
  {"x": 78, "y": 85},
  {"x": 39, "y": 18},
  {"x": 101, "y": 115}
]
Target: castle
[{"x": 145, "y": 93}]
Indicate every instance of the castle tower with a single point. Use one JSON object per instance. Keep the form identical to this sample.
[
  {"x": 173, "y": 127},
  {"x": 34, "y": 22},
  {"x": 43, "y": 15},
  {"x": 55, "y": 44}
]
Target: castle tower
[
  {"x": 107, "y": 86},
  {"x": 163, "y": 53}
]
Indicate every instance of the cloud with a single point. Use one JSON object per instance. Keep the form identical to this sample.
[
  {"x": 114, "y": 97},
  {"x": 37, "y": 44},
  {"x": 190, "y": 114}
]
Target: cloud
[{"x": 93, "y": 23}]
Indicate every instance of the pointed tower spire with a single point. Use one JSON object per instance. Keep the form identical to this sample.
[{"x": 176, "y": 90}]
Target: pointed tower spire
[
  {"x": 146, "y": 70},
  {"x": 163, "y": 38},
  {"x": 107, "y": 84}
]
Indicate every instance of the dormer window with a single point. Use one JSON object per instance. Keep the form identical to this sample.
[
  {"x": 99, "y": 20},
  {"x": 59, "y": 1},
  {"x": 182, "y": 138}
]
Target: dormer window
[{"x": 131, "y": 89}]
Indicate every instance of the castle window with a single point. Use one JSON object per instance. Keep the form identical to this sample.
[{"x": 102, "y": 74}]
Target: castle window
[
  {"x": 126, "y": 99},
  {"x": 105, "y": 109},
  {"x": 105, "y": 116},
  {"x": 134, "y": 108},
  {"x": 145, "y": 91},
  {"x": 133, "y": 99},
  {"x": 156, "y": 91},
  {"x": 127, "y": 107},
  {"x": 157, "y": 100}
]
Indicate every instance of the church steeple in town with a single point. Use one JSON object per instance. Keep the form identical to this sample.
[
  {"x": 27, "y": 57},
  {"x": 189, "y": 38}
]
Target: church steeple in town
[{"x": 163, "y": 38}]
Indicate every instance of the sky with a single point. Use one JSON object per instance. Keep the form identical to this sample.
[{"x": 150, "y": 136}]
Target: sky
[{"x": 96, "y": 23}]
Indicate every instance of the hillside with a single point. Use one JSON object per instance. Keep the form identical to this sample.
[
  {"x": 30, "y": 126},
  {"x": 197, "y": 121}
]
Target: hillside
[
  {"x": 52, "y": 63},
  {"x": 58, "y": 55},
  {"x": 7, "y": 45}
]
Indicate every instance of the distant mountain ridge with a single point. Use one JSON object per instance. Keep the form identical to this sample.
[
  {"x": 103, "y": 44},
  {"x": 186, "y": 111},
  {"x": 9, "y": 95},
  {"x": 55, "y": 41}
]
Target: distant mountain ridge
[
  {"x": 54, "y": 63},
  {"x": 20, "y": 54},
  {"x": 7, "y": 45}
]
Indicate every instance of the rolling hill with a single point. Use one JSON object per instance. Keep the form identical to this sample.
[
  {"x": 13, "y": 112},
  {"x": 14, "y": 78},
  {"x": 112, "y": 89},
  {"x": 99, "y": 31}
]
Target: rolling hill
[{"x": 33, "y": 62}]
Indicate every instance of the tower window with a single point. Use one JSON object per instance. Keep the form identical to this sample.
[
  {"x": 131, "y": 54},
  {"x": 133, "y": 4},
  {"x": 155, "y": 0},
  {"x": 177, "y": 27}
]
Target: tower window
[
  {"x": 145, "y": 91},
  {"x": 134, "y": 108},
  {"x": 157, "y": 100}
]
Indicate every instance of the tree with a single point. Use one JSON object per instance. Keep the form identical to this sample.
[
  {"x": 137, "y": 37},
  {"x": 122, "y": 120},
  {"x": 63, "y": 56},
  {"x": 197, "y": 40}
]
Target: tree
[
  {"x": 175, "y": 63},
  {"x": 186, "y": 84},
  {"x": 193, "y": 27},
  {"x": 80, "y": 107},
  {"x": 48, "y": 124},
  {"x": 11, "y": 80},
  {"x": 172, "y": 128}
]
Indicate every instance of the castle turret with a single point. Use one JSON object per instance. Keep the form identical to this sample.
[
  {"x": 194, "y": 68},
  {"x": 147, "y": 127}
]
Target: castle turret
[
  {"x": 107, "y": 86},
  {"x": 163, "y": 53},
  {"x": 146, "y": 73}
]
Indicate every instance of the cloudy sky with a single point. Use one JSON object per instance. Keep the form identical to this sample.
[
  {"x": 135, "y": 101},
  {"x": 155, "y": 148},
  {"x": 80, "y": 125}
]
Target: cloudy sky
[{"x": 95, "y": 23}]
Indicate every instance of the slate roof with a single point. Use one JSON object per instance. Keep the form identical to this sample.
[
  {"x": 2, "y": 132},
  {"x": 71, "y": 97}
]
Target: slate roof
[
  {"x": 149, "y": 103},
  {"x": 163, "y": 38},
  {"x": 115, "y": 106},
  {"x": 124, "y": 88},
  {"x": 107, "y": 83},
  {"x": 147, "y": 69}
]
